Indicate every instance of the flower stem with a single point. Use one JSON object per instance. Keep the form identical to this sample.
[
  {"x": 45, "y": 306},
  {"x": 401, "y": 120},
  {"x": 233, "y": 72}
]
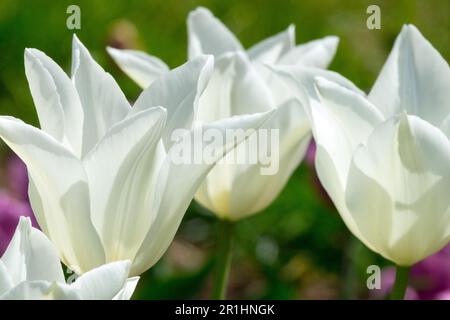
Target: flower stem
[
  {"x": 350, "y": 274},
  {"x": 401, "y": 282},
  {"x": 223, "y": 259}
]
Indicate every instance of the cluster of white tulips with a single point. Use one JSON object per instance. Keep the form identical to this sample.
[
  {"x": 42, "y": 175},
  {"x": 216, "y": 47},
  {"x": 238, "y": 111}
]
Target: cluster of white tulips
[{"x": 109, "y": 199}]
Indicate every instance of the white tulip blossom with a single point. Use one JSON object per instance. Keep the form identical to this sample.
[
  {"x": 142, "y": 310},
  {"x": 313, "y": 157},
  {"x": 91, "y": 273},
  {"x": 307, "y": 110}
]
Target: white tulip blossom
[
  {"x": 242, "y": 83},
  {"x": 384, "y": 158},
  {"x": 102, "y": 183},
  {"x": 30, "y": 270}
]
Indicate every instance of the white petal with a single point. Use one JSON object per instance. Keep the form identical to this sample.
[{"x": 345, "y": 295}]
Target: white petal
[
  {"x": 397, "y": 190},
  {"x": 178, "y": 92},
  {"x": 341, "y": 121},
  {"x": 317, "y": 53},
  {"x": 45, "y": 95},
  {"x": 35, "y": 290},
  {"x": 352, "y": 112},
  {"x": 104, "y": 282},
  {"x": 57, "y": 103},
  {"x": 139, "y": 66},
  {"x": 6, "y": 282},
  {"x": 271, "y": 49},
  {"x": 295, "y": 79},
  {"x": 171, "y": 209},
  {"x": 248, "y": 191},
  {"x": 122, "y": 170},
  {"x": 415, "y": 78},
  {"x": 60, "y": 201},
  {"x": 41, "y": 290},
  {"x": 31, "y": 256},
  {"x": 128, "y": 289},
  {"x": 208, "y": 35},
  {"x": 235, "y": 88},
  {"x": 103, "y": 102}
]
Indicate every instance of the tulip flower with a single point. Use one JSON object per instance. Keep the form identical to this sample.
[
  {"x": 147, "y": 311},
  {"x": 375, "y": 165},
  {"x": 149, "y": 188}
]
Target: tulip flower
[
  {"x": 384, "y": 158},
  {"x": 103, "y": 185},
  {"x": 241, "y": 84},
  {"x": 30, "y": 269}
]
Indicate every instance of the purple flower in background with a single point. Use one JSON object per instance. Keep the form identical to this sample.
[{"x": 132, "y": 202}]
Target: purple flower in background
[
  {"x": 387, "y": 281},
  {"x": 17, "y": 177},
  {"x": 310, "y": 156},
  {"x": 13, "y": 201},
  {"x": 429, "y": 279}
]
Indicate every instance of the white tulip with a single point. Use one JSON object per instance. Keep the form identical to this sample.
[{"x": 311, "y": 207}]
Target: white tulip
[
  {"x": 384, "y": 158},
  {"x": 103, "y": 185},
  {"x": 30, "y": 269},
  {"x": 241, "y": 84}
]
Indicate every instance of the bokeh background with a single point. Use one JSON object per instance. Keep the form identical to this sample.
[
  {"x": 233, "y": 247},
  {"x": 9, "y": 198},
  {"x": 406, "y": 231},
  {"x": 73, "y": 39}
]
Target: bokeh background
[{"x": 296, "y": 249}]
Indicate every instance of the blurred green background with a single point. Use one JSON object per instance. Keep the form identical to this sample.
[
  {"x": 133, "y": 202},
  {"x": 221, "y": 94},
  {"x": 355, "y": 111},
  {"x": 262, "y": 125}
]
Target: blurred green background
[{"x": 298, "y": 247}]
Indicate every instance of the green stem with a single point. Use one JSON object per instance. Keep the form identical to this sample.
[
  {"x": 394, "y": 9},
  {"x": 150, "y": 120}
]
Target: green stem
[
  {"x": 223, "y": 259},
  {"x": 350, "y": 272},
  {"x": 401, "y": 282}
]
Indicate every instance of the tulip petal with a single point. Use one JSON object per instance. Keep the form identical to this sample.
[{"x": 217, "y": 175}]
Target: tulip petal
[
  {"x": 171, "y": 209},
  {"x": 31, "y": 256},
  {"x": 127, "y": 290},
  {"x": 247, "y": 192},
  {"x": 415, "y": 78},
  {"x": 289, "y": 82},
  {"x": 103, "y": 102},
  {"x": 208, "y": 35},
  {"x": 271, "y": 49},
  {"x": 35, "y": 290},
  {"x": 120, "y": 171},
  {"x": 60, "y": 202},
  {"x": 139, "y": 66},
  {"x": 235, "y": 88},
  {"x": 57, "y": 103},
  {"x": 5, "y": 280},
  {"x": 178, "y": 92},
  {"x": 41, "y": 290},
  {"x": 340, "y": 113},
  {"x": 104, "y": 282},
  {"x": 353, "y": 112},
  {"x": 397, "y": 189},
  {"x": 317, "y": 53}
]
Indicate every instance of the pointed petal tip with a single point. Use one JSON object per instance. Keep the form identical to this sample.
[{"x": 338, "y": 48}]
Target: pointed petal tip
[
  {"x": 126, "y": 264},
  {"x": 25, "y": 222},
  {"x": 409, "y": 30},
  {"x": 75, "y": 39},
  {"x": 163, "y": 110},
  {"x": 403, "y": 119},
  {"x": 77, "y": 44},
  {"x": 332, "y": 40},
  {"x": 291, "y": 30},
  {"x": 322, "y": 83},
  {"x": 200, "y": 11},
  {"x": 113, "y": 51},
  {"x": 30, "y": 53},
  {"x": 204, "y": 59}
]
